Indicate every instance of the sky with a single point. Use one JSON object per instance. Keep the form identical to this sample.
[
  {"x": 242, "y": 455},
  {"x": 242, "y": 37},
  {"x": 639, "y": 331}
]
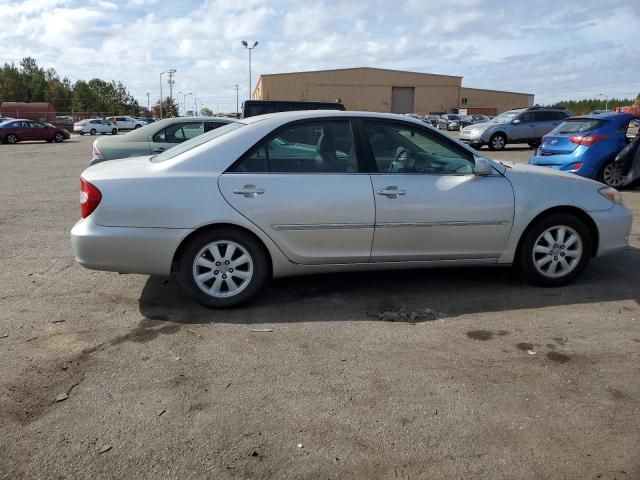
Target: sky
[{"x": 555, "y": 49}]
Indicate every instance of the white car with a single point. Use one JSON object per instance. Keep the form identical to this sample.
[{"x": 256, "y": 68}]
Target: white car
[
  {"x": 93, "y": 126},
  {"x": 325, "y": 191},
  {"x": 127, "y": 123}
]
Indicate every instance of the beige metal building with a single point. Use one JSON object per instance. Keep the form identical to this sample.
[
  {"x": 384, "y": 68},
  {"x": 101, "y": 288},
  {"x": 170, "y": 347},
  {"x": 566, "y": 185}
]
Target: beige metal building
[{"x": 381, "y": 90}]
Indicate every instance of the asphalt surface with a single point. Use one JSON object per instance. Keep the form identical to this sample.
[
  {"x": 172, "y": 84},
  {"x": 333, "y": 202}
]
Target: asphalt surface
[{"x": 464, "y": 373}]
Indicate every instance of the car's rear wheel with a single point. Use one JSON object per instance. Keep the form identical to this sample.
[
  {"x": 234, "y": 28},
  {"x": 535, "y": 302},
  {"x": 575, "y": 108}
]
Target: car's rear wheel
[
  {"x": 137, "y": 126},
  {"x": 92, "y": 131},
  {"x": 497, "y": 141},
  {"x": 12, "y": 139},
  {"x": 555, "y": 250},
  {"x": 59, "y": 138},
  {"x": 534, "y": 145},
  {"x": 223, "y": 268},
  {"x": 114, "y": 131},
  {"x": 81, "y": 133},
  {"x": 612, "y": 175}
]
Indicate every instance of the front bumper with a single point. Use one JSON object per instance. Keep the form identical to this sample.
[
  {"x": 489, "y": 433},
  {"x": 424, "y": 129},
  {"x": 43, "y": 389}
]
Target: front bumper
[
  {"x": 471, "y": 139},
  {"x": 614, "y": 229},
  {"x": 126, "y": 249}
]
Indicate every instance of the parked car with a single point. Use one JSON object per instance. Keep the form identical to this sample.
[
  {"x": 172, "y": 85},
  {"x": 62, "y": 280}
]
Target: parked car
[
  {"x": 95, "y": 125},
  {"x": 473, "y": 119},
  {"x": 14, "y": 131},
  {"x": 448, "y": 121},
  {"x": 523, "y": 125},
  {"x": 251, "y": 108},
  {"x": 5, "y": 119},
  {"x": 587, "y": 146},
  {"x": 224, "y": 212},
  {"x": 432, "y": 118},
  {"x": 147, "y": 120},
  {"x": 126, "y": 123},
  {"x": 153, "y": 138}
]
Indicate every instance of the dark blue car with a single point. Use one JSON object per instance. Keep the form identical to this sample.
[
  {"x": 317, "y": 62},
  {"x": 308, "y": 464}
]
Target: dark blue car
[{"x": 587, "y": 146}]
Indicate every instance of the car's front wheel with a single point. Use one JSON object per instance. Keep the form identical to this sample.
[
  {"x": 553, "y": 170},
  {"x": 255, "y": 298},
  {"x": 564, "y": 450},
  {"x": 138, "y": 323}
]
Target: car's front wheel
[
  {"x": 223, "y": 268},
  {"x": 555, "y": 250},
  {"x": 92, "y": 131},
  {"x": 12, "y": 139},
  {"x": 498, "y": 141},
  {"x": 612, "y": 175},
  {"x": 137, "y": 126},
  {"x": 114, "y": 131},
  {"x": 59, "y": 138}
]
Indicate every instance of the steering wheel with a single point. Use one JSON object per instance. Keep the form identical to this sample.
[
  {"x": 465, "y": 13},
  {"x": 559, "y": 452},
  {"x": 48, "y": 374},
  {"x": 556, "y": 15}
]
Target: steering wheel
[{"x": 400, "y": 161}]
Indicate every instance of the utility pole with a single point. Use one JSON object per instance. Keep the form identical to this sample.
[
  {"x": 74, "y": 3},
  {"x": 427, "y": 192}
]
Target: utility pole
[
  {"x": 195, "y": 103},
  {"x": 237, "y": 100},
  {"x": 171, "y": 82},
  {"x": 161, "y": 73},
  {"x": 148, "y": 104}
]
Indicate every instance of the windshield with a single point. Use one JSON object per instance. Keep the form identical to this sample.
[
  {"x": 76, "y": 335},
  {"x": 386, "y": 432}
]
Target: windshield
[
  {"x": 506, "y": 117},
  {"x": 195, "y": 142},
  {"x": 453, "y": 117}
]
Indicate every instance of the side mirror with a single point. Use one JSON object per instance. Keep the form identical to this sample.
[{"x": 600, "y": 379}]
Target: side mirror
[
  {"x": 482, "y": 167},
  {"x": 516, "y": 121}
]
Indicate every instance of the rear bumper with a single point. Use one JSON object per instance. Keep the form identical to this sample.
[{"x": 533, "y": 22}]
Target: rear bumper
[
  {"x": 614, "y": 228},
  {"x": 125, "y": 249},
  {"x": 566, "y": 163}
]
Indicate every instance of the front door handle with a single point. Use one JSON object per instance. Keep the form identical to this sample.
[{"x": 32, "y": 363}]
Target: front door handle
[
  {"x": 158, "y": 149},
  {"x": 249, "y": 191},
  {"x": 391, "y": 192}
]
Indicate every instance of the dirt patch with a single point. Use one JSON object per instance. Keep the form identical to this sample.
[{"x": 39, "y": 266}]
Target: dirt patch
[
  {"x": 524, "y": 346},
  {"x": 482, "y": 335}
]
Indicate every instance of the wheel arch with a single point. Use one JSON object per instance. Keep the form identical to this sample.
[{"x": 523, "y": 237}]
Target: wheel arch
[
  {"x": 564, "y": 209},
  {"x": 177, "y": 256}
]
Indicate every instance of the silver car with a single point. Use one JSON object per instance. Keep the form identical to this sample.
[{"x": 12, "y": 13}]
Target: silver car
[
  {"x": 153, "y": 138},
  {"x": 323, "y": 191},
  {"x": 523, "y": 125}
]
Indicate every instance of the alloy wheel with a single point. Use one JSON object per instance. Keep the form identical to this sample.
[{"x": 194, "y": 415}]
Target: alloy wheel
[
  {"x": 557, "y": 251},
  {"x": 497, "y": 142},
  {"x": 59, "y": 138},
  {"x": 222, "y": 269},
  {"x": 612, "y": 175},
  {"x": 12, "y": 139}
]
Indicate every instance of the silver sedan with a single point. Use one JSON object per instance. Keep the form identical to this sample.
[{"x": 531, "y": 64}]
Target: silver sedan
[{"x": 319, "y": 191}]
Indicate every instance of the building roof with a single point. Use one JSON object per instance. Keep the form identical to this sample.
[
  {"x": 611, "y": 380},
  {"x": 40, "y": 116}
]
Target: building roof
[
  {"x": 360, "y": 68},
  {"x": 496, "y": 91}
]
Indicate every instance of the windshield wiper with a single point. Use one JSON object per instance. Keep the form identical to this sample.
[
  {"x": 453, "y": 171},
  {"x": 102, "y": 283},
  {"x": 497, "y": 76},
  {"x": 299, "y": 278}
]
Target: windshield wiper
[{"x": 505, "y": 165}]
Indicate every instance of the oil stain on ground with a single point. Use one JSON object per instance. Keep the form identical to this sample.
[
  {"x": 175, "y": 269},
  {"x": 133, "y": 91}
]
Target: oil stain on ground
[
  {"x": 484, "y": 335},
  {"x": 558, "y": 357}
]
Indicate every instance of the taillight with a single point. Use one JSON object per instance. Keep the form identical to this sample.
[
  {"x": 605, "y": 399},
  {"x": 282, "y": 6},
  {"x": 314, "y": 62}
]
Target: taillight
[
  {"x": 588, "y": 140},
  {"x": 90, "y": 197}
]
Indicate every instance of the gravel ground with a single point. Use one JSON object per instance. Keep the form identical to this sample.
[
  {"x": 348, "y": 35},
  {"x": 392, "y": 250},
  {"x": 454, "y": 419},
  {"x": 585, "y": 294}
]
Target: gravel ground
[{"x": 463, "y": 373}]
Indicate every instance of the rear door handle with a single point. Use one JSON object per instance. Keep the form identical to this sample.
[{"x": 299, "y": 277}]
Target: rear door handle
[
  {"x": 158, "y": 149},
  {"x": 249, "y": 191},
  {"x": 391, "y": 192}
]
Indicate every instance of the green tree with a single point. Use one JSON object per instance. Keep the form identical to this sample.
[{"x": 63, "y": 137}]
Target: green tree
[
  {"x": 167, "y": 108},
  {"x": 206, "y": 112}
]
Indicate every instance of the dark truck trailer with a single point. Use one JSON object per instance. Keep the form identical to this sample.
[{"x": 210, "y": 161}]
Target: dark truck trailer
[{"x": 251, "y": 108}]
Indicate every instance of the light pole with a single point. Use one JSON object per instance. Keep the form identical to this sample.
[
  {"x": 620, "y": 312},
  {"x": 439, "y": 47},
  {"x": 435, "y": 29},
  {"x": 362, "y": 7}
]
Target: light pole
[
  {"x": 161, "y": 73},
  {"x": 606, "y": 103},
  {"x": 195, "y": 104},
  {"x": 246, "y": 45},
  {"x": 237, "y": 103},
  {"x": 148, "y": 104}
]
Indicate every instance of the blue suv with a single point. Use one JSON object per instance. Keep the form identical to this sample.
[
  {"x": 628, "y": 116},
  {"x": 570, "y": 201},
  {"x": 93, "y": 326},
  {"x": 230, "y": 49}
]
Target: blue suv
[{"x": 587, "y": 146}]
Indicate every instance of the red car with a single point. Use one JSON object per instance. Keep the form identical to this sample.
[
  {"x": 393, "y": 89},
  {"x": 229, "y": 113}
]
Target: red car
[{"x": 14, "y": 131}]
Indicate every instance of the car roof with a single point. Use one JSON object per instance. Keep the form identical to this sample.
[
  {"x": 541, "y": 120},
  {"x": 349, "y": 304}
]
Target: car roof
[
  {"x": 311, "y": 114},
  {"x": 604, "y": 116}
]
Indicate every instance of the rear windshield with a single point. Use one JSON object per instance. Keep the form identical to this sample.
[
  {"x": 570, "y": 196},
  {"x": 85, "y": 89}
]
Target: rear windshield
[
  {"x": 195, "y": 142},
  {"x": 579, "y": 125}
]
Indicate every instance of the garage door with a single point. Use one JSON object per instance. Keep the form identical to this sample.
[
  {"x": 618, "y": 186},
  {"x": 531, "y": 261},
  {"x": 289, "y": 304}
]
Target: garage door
[{"x": 402, "y": 99}]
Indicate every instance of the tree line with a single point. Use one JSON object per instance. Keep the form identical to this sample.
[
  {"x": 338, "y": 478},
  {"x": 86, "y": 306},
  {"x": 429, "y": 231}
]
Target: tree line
[
  {"x": 581, "y": 107},
  {"x": 27, "y": 82}
]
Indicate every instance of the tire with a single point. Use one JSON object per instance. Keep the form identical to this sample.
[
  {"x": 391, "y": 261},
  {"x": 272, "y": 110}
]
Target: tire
[
  {"x": 114, "y": 131},
  {"x": 137, "y": 126},
  {"x": 92, "y": 131},
  {"x": 12, "y": 139},
  {"x": 497, "y": 141},
  {"x": 255, "y": 271},
  {"x": 612, "y": 176},
  {"x": 535, "y": 249},
  {"x": 534, "y": 145},
  {"x": 59, "y": 138},
  {"x": 81, "y": 133}
]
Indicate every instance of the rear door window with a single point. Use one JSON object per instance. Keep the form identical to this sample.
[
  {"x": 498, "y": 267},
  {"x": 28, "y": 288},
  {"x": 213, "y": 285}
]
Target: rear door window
[
  {"x": 179, "y": 132},
  {"x": 310, "y": 147}
]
